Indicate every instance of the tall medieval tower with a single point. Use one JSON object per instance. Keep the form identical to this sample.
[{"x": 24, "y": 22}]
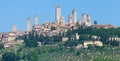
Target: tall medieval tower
[
  {"x": 88, "y": 20},
  {"x": 62, "y": 20},
  {"x": 58, "y": 14},
  {"x": 28, "y": 24},
  {"x": 74, "y": 14},
  {"x": 14, "y": 28},
  {"x": 84, "y": 19},
  {"x": 70, "y": 19},
  {"x": 36, "y": 20}
]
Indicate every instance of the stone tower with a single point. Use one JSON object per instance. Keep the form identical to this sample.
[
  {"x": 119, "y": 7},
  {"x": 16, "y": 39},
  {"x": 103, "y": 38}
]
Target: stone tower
[
  {"x": 14, "y": 28},
  {"x": 36, "y": 20},
  {"x": 88, "y": 20},
  {"x": 28, "y": 24},
  {"x": 58, "y": 14},
  {"x": 70, "y": 19},
  {"x": 62, "y": 20},
  {"x": 84, "y": 19},
  {"x": 74, "y": 14}
]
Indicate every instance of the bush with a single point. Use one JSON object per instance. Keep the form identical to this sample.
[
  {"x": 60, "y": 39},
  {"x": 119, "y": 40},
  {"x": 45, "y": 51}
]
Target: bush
[
  {"x": 70, "y": 43},
  {"x": 114, "y": 43},
  {"x": 1, "y": 46},
  {"x": 31, "y": 43},
  {"x": 9, "y": 57}
]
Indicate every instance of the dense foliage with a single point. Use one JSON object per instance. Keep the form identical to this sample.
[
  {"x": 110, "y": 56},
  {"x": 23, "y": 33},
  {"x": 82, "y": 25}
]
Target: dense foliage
[
  {"x": 95, "y": 23},
  {"x": 1, "y": 46},
  {"x": 104, "y": 34},
  {"x": 53, "y": 49},
  {"x": 86, "y": 34},
  {"x": 9, "y": 57},
  {"x": 32, "y": 39}
]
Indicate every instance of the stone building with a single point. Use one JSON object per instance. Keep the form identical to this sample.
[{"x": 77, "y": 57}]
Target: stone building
[
  {"x": 97, "y": 43},
  {"x": 86, "y": 43},
  {"x": 105, "y": 26},
  {"x": 77, "y": 36},
  {"x": 64, "y": 39}
]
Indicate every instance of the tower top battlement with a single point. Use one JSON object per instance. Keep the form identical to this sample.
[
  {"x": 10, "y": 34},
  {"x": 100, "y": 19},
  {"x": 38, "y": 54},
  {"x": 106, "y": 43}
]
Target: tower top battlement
[{"x": 57, "y": 6}]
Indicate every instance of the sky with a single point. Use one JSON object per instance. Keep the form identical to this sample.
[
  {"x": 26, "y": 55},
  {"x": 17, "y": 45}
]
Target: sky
[{"x": 15, "y": 12}]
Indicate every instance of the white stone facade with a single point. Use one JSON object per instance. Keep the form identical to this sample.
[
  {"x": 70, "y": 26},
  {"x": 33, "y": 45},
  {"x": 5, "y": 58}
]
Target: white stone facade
[
  {"x": 64, "y": 39},
  {"x": 97, "y": 43}
]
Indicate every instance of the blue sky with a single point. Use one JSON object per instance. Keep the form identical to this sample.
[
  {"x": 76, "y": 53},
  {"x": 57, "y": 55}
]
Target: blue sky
[{"x": 15, "y": 12}]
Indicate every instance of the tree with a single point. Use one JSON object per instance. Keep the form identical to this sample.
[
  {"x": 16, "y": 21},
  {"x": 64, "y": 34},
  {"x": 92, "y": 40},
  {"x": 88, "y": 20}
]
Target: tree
[
  {"x": 95, "y": 23},
  {"x": 1, "y": 46},
  {"x": 30, "y": 40},
  {"x": 71, "y": 43},
  {"x": 90, "y": 46},
  {"x": 9, "y": 57},
  {"x": 69, "y": 34},
  {"x": 114, "y": 43},
  {"x": 78, "y": 53},
  {"x": 31, "y": 43}
]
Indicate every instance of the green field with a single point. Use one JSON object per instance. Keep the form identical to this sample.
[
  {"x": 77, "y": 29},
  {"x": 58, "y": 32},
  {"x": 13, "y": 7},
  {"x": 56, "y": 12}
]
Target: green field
[
  {"x": 85, "y": 55},
  {"x": 57, "y": 53}
]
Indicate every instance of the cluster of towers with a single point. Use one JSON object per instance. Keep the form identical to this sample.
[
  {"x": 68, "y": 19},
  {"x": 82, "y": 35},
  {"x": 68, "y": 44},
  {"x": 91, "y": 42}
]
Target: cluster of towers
[
  {"x": 60, "y": 19},
  {"x": 28, "y": 24},
  {"x": 72, "y": 19},
  {"x": 86, "y": 20}
]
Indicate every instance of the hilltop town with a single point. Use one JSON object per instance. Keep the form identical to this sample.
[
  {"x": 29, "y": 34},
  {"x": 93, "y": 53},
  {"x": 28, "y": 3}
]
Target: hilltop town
[
  {"x": 51, "y": 28},
  {"x": 76, "y": 40}
]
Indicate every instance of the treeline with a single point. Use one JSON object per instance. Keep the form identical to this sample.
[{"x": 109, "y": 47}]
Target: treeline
[
  {"x": 104, "y": 34},
  {"x": 32, "y": 39},
  {"x": 86, "y": 33}
]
